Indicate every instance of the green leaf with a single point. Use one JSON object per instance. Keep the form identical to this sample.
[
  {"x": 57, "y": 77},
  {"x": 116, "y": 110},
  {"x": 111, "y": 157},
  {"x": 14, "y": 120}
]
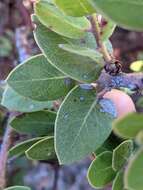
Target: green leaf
[
  {"x": 137, "y": 66},
  {"x": 128, "y": 126},
  {"x": 54, "y": 19},
  {"x": 84, "y": 51},
  {"x": 80, "y": 8},
  {"x": 19, "y": 149},
  {"x": 133, "y": 173},
  {"x": 42, "y": 150},
  {"x": 121, "y": 154},
  {"x": 37, "y": 123},
  {"x": 18, "y": 188},
  {"x": 37, "y": 79},
  {"x": 100, "y": 172},
  {"x": 88, "y": 40},
  {"x": 77, "y": 67},
  {"x": 126, "y": 13},
  {"x": 82, "y": 125},
  {"x": 118, "y": 183},
  {"x": 107, "y": 30},
  {"x": 15, "y": 102}
]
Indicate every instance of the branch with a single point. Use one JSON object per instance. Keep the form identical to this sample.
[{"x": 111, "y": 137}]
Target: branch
[
  {"x": 133, "y": 81},
  {"x": 23, "y": 53},
  {"x": 96, "y": 33},
  {"x": 7, "y": 141}
]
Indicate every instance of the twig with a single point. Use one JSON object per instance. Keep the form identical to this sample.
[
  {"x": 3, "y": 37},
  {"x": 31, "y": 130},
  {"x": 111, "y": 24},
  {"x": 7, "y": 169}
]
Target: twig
[
  {"x": 133, "y": 81},
  {"x": 96, "y": 33},
  {"x": 7, "y": 141}
]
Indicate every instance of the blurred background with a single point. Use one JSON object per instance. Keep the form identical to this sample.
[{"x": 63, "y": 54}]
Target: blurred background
[{"x": 16, "y": 45}]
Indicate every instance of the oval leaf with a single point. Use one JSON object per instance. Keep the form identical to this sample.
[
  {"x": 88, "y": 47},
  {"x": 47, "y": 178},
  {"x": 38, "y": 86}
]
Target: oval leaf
[
  {"x": 128, "y": 126},
  {"x": 80, "y": 8},
  {"x": 37, "y": 123},
  {"x": 15, "y": 102},
  {"x": 81, "y": 126},
  {"x": 42, "y": 150},
  {"x": 37, "y": 79},
  {"x": 84, "y": 51},
  {"x": 77, "y": 67},
  {"x": 100, "y": 172},
  {"x": 121, "y": 154},
  {"x": 133, "y": 173},
  {"x": 20, "y": 148},
  {"x": 126, "y": 13},
  {"x": 53, "y": 18}
]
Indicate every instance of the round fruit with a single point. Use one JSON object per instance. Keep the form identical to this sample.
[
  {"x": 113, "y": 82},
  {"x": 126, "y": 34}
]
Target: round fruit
[{"x": 124, "y": 104}]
